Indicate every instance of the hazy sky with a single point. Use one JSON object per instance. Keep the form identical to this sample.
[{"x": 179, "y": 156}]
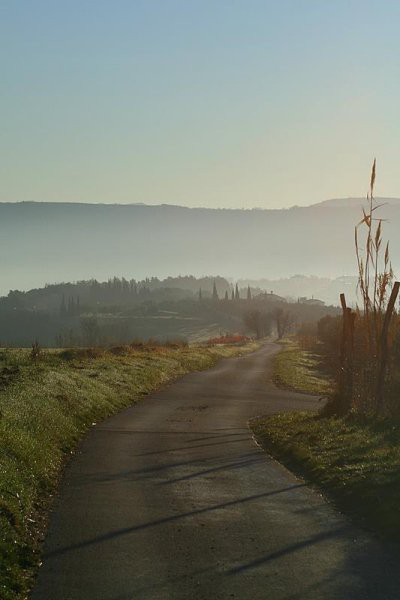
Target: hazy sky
[{"x": 201, "y": 103}]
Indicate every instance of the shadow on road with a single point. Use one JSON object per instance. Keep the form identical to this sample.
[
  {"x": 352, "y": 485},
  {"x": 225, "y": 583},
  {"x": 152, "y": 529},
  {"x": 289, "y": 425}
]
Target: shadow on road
[{"x": 128, "y": 530}]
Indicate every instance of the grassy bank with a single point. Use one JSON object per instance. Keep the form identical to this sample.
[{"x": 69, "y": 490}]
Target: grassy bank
[
  {"x": 300, "y": 370},
  {"x": 356, "y": 461},
  {"x": 45, "y": 408}
]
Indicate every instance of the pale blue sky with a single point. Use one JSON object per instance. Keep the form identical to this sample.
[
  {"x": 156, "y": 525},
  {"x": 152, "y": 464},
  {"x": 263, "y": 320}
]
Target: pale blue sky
[{"x": 222, "y": 104}]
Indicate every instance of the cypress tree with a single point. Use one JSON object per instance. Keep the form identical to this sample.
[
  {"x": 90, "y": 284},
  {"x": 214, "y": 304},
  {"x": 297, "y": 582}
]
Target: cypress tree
[
  {"x": 237, "y": 296},
  {"x": 215, "y": 293},
  {"x": 63, "y": 308},
  {"x": 248, "y": 293}
]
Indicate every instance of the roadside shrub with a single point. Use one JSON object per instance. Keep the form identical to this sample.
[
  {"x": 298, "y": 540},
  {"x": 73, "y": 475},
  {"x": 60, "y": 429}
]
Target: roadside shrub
[
  {"x": 120, "y": 350},
  {"x": 152, "y": 344},
  {"x": 328, "y": 333},
  {"x": 36, "y": 351},
  {"x": 81, "y": 353},
  {"x": 307, "y": 336},
  {"x": 228, "y": 339},
  {"x": 176, "y": 343}
]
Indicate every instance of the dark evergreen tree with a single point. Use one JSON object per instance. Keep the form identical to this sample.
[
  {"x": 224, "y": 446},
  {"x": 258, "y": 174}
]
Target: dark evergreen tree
[
  {"x": 71, "y": 306},
  {"x": 248, "y": 293},
  {"x": 215, "y": 293},
  {"x": 63, "y": 308},
  {"x": 133, "y": 287},
  {"x": 237, "y": 296}
]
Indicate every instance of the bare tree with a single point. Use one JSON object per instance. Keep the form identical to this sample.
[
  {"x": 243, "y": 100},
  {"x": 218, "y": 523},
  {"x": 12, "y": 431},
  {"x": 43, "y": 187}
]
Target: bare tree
[
  {"x": 258, "y": 321},
  {"x": 283, "y": 321}
]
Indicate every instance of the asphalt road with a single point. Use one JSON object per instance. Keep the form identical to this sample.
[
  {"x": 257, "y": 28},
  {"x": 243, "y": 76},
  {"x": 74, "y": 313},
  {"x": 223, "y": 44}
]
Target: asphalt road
[{"x": 172, "y": 499}]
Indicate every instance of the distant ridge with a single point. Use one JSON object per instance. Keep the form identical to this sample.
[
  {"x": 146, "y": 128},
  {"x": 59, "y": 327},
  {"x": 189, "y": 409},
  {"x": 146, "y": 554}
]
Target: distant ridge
[
  {"x": 46, "y": 242},
  {"x": 353, "y": 202},
  {"x": 350, "y": 202}
]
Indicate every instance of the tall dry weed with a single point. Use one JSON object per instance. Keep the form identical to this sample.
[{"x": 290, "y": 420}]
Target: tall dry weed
[{"x": 373, "y": 332}]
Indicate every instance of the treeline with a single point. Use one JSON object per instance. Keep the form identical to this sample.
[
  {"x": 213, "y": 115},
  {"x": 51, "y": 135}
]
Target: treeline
[
  {"x": 75, "y": 321},
  {"x": 71, "y": 298},
  {"x": 74, "y": 299}
]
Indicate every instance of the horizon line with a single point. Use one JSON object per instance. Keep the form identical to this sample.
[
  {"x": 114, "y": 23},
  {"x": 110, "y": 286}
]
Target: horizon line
[{"x": 219, "y": 208}]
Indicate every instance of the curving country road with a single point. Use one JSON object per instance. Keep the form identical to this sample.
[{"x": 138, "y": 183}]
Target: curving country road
[{"x": 172, "y": 499}]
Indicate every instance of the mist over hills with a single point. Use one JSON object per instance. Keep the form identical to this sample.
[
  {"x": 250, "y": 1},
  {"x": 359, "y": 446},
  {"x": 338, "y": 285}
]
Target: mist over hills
[
  {"x": 354, "y": 202},
  {"x": 54, "y": 242}
]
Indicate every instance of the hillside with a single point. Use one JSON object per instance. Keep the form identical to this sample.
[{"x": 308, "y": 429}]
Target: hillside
[
  {"x": 51, "y": 242},
  {"x": 354, "y": 202},
  {"x": 119, "y": 311},
  {"x": 325, "y": 289}
]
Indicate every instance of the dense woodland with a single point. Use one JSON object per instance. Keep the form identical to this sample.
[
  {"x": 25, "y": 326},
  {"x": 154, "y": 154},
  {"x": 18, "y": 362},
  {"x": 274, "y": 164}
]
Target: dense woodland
[{"x": 121, "y": 310}]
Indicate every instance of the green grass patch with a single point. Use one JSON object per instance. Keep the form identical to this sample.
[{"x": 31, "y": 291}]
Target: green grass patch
[
  {"x": 300, "y": 370},
  {"x": 45, "y": 408},
  {"x": 356, "y": 461}
]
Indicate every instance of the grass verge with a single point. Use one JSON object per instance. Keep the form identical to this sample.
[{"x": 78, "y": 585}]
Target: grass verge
[
  {"x": 300, "y": 370},
  {"x": 45, "y": 408},
  {"x": 356, "y": 461}
]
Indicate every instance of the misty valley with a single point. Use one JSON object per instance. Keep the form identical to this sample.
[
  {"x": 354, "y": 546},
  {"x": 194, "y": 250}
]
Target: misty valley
[{"x": 119, "y": 311}]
